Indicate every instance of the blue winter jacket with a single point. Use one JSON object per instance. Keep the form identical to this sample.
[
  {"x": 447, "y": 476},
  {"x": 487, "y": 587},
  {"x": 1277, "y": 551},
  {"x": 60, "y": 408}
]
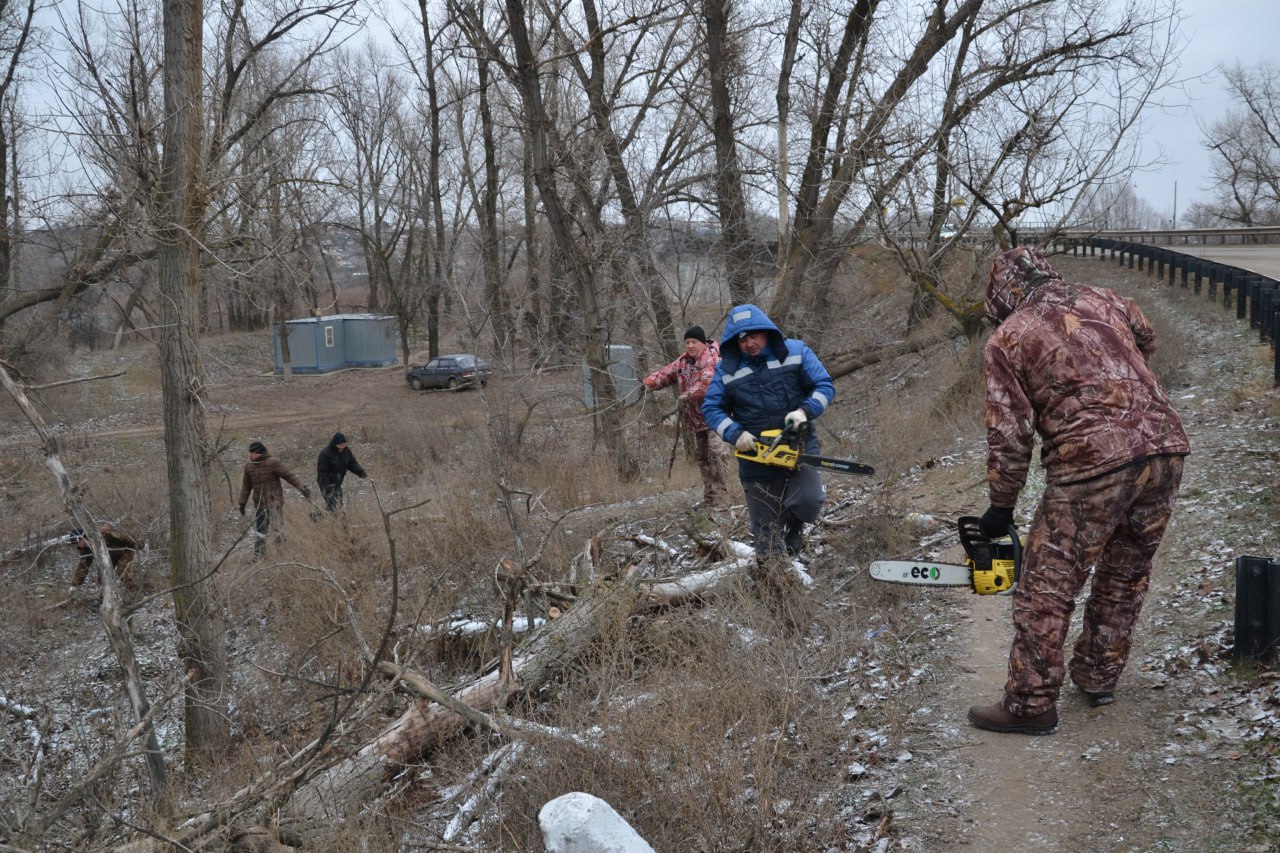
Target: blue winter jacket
[{"x": 755, "y": 394}]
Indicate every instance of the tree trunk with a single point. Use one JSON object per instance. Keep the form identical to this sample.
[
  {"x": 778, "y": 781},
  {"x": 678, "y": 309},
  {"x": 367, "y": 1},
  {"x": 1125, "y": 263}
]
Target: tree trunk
[
  {"x": 595, "y": 334},
  {"x": 731, "y": 205},
  {"x": 201, "y": 626},
  {"x": 495, "y": 287},
  {"x": 635, "y": 236}
]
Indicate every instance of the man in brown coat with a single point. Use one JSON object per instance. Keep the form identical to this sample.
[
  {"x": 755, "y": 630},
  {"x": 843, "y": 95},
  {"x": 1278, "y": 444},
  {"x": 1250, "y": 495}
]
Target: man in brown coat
[
  {"x": 1069, "y": 362},
  {"x": 262, "y": 475}
]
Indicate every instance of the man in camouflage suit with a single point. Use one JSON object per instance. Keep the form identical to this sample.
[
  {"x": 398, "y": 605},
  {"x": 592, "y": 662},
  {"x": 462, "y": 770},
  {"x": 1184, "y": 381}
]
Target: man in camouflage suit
[
  {"x": 692, "y": 373},
  {"x": 1069, "y": 361}
]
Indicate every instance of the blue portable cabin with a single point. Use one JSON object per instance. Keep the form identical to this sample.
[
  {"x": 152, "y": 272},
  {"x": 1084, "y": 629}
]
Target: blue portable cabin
[{"x": 323, "y": 344}]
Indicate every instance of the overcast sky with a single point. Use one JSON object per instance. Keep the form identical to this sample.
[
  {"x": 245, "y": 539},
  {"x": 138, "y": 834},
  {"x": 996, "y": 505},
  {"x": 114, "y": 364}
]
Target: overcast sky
[{"x": 1216, "y": 32}]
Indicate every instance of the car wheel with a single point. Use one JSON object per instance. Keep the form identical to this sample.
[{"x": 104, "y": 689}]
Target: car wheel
[
  {"x": 415, "y": 383},
  {"x": 453, "y": 383}
]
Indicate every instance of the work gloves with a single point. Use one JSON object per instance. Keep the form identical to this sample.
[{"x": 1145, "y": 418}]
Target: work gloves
[
  {"x": 746, "y": 442},
  {"x": 995, "y": 521},
  {"x": 795, "y": 419},
  {"x": 242, "y": 509}
]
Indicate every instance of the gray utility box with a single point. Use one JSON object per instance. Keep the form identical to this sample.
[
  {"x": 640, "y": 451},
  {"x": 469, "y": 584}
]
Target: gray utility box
[{"x": 621, "y": 361}]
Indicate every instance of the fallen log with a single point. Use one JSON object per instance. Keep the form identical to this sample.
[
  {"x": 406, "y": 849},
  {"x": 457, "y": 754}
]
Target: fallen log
[
  {"x": 343, "y": 788},
  {"x": 322, "y": 801}
]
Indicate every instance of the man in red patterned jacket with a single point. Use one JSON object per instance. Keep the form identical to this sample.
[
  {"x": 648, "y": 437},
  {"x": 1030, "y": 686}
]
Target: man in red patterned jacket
[
  {"x": 1069, "y": 362},
  {"x": 692, "y": 372}
]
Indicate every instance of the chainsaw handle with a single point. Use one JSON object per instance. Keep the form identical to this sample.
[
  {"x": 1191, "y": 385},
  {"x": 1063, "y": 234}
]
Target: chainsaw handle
[{"x": 798, "y": 434}]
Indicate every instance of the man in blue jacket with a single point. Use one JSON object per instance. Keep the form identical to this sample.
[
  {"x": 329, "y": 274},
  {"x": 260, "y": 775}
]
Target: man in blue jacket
[{"x": 766, "y": 381}]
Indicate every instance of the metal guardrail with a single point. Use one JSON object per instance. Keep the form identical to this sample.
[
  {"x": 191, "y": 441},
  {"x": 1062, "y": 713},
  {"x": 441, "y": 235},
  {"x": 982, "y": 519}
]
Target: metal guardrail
[
  {"x": 1255, "y": 297},
  {"x": 1256, "y": 236}
]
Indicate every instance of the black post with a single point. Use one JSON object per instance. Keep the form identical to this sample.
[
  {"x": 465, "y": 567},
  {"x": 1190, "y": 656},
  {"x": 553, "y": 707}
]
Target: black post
[
  {"x": 1257, "y": 607},
  {"x": 1275, "y": 336},
  {"x": 1264, "y": 315}
]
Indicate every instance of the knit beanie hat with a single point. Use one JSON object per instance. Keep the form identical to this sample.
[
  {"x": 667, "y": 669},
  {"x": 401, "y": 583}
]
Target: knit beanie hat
[
  {"x": 696, "y": 333},
  {"x": 339, "y": 438},
  {"x": 257, "y": 447}
]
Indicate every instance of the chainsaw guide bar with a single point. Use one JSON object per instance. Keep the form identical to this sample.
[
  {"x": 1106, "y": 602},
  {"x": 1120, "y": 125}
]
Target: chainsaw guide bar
[{"x": 919, "y": 573}]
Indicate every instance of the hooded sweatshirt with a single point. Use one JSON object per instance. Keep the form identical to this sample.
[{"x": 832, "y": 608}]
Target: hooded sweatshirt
[{"x": 1068, "y": 362}]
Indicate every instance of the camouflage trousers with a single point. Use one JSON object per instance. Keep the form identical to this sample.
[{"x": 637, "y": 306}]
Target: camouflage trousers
[
  {"x": 712, "y": 457},
  {"x": 1111, "y": 525}
]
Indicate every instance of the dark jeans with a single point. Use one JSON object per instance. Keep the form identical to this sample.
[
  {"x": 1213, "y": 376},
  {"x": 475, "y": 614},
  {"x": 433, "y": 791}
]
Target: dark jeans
[
  {"x": 779, "y": 508},
  {"x": 263, "y": 518},
  {"x": 332, "y": 497}
]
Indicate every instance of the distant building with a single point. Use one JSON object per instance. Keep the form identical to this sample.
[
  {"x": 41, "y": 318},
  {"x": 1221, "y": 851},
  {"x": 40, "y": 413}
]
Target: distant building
[{"x": 322, "y": 344}]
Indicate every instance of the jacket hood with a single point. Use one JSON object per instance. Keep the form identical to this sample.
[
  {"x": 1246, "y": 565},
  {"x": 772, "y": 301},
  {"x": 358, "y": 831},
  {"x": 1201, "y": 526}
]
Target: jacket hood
[
  {"x": 748, "y": 318},
  {"x": 1015, "y": 275}
]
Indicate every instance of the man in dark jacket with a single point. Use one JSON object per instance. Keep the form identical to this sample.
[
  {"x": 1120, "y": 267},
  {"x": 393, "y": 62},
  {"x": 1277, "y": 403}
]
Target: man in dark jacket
[
  {"x": 767, "y": 381},
  {"x": 331, "y": 469},
  {"x": 121, "y": 548},
  {"x": 262, "y": 475},
  {"x": 1069, "y": 362}
]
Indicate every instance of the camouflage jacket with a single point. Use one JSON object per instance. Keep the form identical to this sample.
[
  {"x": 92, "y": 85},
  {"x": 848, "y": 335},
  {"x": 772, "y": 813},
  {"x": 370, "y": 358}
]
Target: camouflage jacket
[
  {"x": 692, "y": 376},
  {"x": 1070, "y": 362}
]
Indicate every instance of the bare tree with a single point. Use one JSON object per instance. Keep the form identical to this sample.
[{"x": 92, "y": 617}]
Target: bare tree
[
  {"x": 999, "y": 116},
  {"x": 15, "y": 35},
  {"x": 1244, "y": 150},
  {"x": 731, "y": 202},
  {"x": 579, "y": 264}
]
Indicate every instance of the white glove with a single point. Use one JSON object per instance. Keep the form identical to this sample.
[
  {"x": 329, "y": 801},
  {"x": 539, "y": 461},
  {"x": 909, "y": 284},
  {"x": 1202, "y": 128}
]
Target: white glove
[
  {"x": 746, "y": 442},
  {"x": 71, "y": 593},
  {"x": 795, "y": 419}
]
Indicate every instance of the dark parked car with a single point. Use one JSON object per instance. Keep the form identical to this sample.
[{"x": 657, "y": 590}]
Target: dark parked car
[{"x": 450, "y": 371}]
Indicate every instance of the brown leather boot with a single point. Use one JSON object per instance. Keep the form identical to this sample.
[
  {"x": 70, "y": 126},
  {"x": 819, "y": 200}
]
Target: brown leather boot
[{"x": 994, "y": 718}]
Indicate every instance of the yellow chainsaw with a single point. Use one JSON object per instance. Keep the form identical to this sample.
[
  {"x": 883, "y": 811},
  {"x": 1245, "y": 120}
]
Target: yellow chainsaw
[
  {"x": 991, "y": 566},
  {"x": 776, "y": 447}
]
